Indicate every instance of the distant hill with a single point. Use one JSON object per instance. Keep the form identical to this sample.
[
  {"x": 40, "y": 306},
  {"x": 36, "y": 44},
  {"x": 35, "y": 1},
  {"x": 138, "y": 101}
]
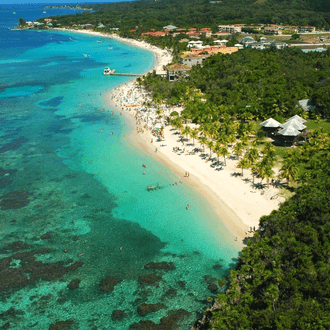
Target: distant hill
[{"x": 147, "y": 14}]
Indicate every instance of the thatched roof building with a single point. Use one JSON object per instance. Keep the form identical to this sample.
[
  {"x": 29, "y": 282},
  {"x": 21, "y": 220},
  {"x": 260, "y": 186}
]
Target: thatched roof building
[
  {"x": 270, "y": 123},
  {"x": 289, "y": 131},
  {"x": 296, "y": 117},
  {"x": 295, "y": 124}
]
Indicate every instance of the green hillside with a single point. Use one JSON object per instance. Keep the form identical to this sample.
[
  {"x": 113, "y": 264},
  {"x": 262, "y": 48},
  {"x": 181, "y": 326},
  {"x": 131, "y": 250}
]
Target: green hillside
[{"x": 149, "y": 14}]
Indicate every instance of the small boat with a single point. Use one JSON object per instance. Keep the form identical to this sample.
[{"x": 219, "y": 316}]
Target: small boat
[
  {"x": 14, "y": 12},
  {"x": 110, "y": 47},
  {"x": 44, "y": 12},
  {"x": 99, "y": 41},
  {"x": 86, "y": 55},
  {"x": 108, "y": 72}
]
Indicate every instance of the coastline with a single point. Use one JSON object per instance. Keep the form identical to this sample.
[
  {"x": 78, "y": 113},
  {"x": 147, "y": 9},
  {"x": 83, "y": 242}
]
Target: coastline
[{"x": 230, "y": 196}]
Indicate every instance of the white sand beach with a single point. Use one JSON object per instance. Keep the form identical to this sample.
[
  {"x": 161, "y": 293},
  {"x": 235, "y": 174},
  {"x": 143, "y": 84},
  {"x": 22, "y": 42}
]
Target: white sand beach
[{"x": 231, "y": 195}]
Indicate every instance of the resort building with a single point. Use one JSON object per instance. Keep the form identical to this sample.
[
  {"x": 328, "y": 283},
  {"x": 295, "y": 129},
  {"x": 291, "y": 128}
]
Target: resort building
[
  {"x": 170, "y": 27},
  {"x": 230, "y": 28},
  {"x": 289, "y": 132},
  {"x": 305, "y": 29},
  {"x": 272, "y": 30},
  {"x": 191, "y": 59},
  {"x": 177, "y": 71}
]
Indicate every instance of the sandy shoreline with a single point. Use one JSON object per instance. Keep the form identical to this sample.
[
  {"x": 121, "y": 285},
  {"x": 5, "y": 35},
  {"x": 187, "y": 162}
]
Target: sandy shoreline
[{"x": 231, "y": 196}]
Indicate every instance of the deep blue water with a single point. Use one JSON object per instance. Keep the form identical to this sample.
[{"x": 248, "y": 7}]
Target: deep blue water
[{"x": 72, "y": 194}]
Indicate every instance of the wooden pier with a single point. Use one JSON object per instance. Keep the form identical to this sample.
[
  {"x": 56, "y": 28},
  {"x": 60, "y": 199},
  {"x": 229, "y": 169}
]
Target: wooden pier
[{"x": 125, "y": 74}]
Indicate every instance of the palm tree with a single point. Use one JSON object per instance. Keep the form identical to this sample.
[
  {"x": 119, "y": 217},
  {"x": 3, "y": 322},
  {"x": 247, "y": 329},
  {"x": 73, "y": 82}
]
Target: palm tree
[
  {"x": 269, "y": 150},
  {"x": 210, "y": 144},
  {"x": 186, "y": 131},
  {"x": 268, "y": 173},
  {"x": 238, "y": 149},
  {"x": 244, "y": 163},
  {"x": 203, "y": 141},
  {"x": 177, "y": 124},
  {"x": 224, "y": 152},
  {"x": 217, "y": 149},
  {"x": 289, "y": 171},
  {"x": 254, "y": 169},
  {"x": 252, "y": 155},
  {"x": 194, "y": 134},
  {"x": 265, "y": 169},
  {"x": 245, "y": 140}
]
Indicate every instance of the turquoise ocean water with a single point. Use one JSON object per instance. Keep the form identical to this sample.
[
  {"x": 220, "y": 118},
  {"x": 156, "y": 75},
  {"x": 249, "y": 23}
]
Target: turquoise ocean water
[{"x": 74, "y": 206}]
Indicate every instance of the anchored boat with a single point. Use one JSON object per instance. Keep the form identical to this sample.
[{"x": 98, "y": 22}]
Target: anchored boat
[{"x": 107, "y": 71}]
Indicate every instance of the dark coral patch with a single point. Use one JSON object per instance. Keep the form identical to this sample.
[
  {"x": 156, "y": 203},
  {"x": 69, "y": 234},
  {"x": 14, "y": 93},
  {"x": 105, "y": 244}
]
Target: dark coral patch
[
  {"x": 62, "y": 325},
  {"x": 145, "y": 309},
  {"x": 18, "y": 245},
  {"x": 30, "y": 270},
  {"x": 13, "y": 145},
  {"x": 160, "y": 265},
  {"x": 4, "y": 182},
  {"x": 109, "y": 283},
  {"x": 169, "y": 322},
  {"x": 54, "y": 102},
  {"x": 74, "y": 284},
  {"x": 14, "y": 200},
  {"x": 150, "y": 279}
]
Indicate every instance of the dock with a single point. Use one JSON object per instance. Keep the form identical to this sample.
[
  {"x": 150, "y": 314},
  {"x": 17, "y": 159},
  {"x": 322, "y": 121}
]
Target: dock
[{"x": 125, "y": 74}]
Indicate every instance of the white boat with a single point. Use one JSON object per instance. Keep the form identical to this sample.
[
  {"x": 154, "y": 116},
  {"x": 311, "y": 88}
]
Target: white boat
[
  {"x": 86, "y": 55},
  {"x": 108, "y": 72},
  {"x": 110, "y": 47},
  {"x": 99, "y": 41},
  {"x": 44, "y": 12},
  {"x": 14, "y": 12}
]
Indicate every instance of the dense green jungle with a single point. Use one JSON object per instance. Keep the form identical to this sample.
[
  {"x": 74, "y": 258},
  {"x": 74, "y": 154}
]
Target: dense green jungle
[
  {"x": 282, "y": 278},
  {"x": 148, "y": 14}
]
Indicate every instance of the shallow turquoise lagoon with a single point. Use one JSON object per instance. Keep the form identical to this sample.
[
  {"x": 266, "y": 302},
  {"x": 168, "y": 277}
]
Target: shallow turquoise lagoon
[{"x": 74, "y": 203}]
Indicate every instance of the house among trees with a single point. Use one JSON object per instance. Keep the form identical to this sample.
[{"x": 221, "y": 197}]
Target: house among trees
[
  {"x": 287, "y": 132},
  {"x": 191, "y": 59},
  {"x": 272, "y": 30},
  {"x": 270, "y": 126},
  {"x": 306, "y": 105},
  {"x": 177, "y": 71},
  {"x": 230, "y": 28},
  {"x": 303, "y": 29},
  {"x": 170, "y": 27}
]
